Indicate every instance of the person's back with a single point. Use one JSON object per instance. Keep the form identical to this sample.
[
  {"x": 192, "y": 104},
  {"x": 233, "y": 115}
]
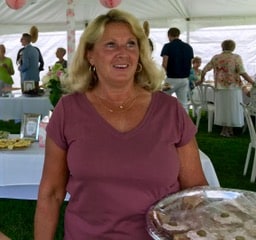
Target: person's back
[
  {"x": 195, "y": 72},
  {"x": 60, "y": 53},
  {"x": 29, "y": 62},
  {"x": 29, "y": 65},
  {"x": 227, "y": 68},
  {"x": 41, "y": 60},
  {"x": 177, "y": 56}
]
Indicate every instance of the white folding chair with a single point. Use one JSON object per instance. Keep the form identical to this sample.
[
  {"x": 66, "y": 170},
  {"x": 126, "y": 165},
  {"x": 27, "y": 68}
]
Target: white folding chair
[
  {"x": 248, "y": 112},
  {"x": 250, "y": 101},
  {"x": 202, "y": 99},
  {"x": 194, "y": 102}
]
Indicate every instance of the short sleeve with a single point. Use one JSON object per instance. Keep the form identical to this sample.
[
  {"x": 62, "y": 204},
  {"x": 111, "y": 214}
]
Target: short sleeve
[
  {"x": 55, "y": 127},
  {"x": 164, "y": 51}
]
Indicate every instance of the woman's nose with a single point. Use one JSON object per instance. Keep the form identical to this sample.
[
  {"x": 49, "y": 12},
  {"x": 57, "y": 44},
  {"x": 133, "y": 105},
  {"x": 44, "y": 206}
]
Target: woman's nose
[{"x": 121, "y": 48}]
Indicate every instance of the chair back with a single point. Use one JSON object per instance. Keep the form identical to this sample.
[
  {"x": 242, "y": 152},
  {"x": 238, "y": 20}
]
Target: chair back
[
  {"x": 248, "y": 112},
  {"x": 253, "y": 96},
  {"x": 204, "y": 95},
  {"x": 195, "y": 96},
  {"x": 202, "y": 99}
]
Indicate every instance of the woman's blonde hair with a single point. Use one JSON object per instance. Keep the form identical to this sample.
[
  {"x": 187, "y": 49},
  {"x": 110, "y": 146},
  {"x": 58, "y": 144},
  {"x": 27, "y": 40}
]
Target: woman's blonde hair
[{"x": 80, "y": 72}]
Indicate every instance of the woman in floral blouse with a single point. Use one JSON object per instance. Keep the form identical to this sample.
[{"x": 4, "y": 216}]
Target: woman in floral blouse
[{"x": 228, "y": 69}]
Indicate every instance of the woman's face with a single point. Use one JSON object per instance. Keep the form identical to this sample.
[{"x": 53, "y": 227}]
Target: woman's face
[
  {"x": 115, "y": 56},
  {"x": 197, "y": 64}
]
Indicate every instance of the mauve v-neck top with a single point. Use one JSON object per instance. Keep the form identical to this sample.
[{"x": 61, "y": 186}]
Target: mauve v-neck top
[{"x": 115, "y": 177}]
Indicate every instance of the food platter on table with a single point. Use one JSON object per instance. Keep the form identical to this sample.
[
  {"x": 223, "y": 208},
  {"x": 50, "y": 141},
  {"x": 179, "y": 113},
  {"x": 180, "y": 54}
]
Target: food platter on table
[
  {"x": 204, "y": 213},
  {"x": 14, "y": 143}
]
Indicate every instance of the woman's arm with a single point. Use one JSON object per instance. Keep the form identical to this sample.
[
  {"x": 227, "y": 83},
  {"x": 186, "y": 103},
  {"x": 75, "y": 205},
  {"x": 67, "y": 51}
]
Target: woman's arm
[
  {"x": 9, "y": 66},
  {"x": 164, "y": 62},
  {"x": 11, "y": 69},
  {"x": 247, "y": 78},
  {"x": 52, "y": 191},
  {"x": 208, "y": 67},
  {"x": 191, "y": 172}
]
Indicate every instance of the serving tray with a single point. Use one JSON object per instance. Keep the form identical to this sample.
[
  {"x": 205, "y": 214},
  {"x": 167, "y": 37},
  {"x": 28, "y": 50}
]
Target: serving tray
[{"x": 204, "y": 213}]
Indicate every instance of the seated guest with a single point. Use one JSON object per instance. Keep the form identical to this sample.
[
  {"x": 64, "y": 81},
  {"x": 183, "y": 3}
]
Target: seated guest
[
  {"x": 6, "y": 70},
  {"x": 195, "y": 72},
  {"x": 60, "y": 53}
]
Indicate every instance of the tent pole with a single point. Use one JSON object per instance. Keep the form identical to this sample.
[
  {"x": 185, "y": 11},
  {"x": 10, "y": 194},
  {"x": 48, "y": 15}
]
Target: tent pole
[
  {"x": 188, "y": 29},
  {"x": 71, "y": 36}
]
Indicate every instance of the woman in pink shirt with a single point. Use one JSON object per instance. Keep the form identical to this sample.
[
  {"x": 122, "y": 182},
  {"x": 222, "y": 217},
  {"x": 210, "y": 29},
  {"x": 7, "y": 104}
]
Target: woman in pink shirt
[{"x": 116, "y": 144}]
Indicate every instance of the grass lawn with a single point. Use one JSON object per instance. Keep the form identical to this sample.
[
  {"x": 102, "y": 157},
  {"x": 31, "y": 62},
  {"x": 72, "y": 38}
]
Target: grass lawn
[{"x": 227, "y": 155}]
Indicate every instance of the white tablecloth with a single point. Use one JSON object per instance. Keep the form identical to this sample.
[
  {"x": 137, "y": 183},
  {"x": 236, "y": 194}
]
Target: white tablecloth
[
  {"x": 15, "y": 107},
  {"x": 20, "y": 172}
]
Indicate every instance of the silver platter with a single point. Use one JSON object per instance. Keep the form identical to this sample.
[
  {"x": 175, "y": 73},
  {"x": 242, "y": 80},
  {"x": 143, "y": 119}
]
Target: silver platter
[{"x": 204, "y": 213}]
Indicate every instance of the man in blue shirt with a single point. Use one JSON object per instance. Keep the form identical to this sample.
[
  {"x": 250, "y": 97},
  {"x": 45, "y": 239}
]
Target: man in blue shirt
[{"x": 177, "y": 56}]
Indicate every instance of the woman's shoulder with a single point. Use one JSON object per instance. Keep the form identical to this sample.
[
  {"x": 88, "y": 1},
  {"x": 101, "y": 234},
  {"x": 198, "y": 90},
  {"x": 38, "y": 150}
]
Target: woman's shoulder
[
  {"x": 74, "y": 96},
  {"x": 7, "y": 60},
  {"x": 236, "y": 55},
  {"x": 72, "y": 103},
  {"x": 163, "y": 98}
]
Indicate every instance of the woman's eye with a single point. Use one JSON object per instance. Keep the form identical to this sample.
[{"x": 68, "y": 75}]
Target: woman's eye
[
  {"x": 111, "y": 45},
  {"x": 131, "y": 44}
]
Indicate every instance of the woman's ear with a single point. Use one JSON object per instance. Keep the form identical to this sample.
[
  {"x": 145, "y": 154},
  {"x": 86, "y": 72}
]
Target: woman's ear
[{"x": 90, "y": 58}]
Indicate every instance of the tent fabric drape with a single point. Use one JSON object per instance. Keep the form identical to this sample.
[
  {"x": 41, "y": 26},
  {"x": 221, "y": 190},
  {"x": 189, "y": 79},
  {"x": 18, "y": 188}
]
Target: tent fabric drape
[{"x": 51, "y": 15}]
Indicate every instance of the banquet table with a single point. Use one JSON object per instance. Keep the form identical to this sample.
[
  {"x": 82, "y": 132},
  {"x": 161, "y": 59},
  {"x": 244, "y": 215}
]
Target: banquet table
[
  {"x": 15, "y": 107},
  {"x": 20, "y": 172}
]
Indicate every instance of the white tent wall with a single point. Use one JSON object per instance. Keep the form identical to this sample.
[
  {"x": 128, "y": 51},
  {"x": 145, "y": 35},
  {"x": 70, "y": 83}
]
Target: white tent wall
[{"x": 206, "y": 42}]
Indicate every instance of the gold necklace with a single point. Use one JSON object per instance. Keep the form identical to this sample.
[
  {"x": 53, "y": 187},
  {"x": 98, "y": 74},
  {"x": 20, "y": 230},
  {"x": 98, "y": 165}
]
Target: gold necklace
[{"x": 126, "y": 105}]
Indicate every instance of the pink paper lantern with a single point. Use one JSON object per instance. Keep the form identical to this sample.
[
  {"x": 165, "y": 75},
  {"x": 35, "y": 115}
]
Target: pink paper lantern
[
  {"x": 15, "y": 4},
  {"x": 110, "y": 3}
]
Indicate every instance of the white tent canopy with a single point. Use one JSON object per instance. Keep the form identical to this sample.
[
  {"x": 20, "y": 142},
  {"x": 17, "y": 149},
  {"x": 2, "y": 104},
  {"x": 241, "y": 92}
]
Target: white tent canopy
[{"x": 50, "y": 15}]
